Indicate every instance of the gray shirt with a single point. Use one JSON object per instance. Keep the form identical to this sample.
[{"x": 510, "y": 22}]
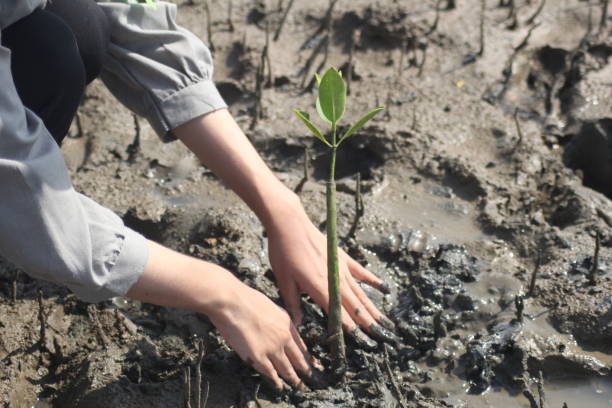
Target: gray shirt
[{"x": 158, "y": 70}]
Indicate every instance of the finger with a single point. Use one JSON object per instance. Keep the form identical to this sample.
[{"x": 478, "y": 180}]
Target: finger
[
  {"x": 362, "y": 274},
  {"x": 298, "y": 359},
  {"x": 285, "y": 369},
  {"x": 321, "y": 297},
  {"x": 365, "y": 300},
  {"x": 267, "y": 369},
  {"x": 359, "y": 313},
  {"x": 291, "y": 298},
  {"x": 304, "y": 350}
]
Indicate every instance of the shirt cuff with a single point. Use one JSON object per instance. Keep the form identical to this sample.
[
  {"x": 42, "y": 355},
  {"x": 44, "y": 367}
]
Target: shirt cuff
[
  {"x": 127, "y": 269},
  {"x": 191, "y": 102}
]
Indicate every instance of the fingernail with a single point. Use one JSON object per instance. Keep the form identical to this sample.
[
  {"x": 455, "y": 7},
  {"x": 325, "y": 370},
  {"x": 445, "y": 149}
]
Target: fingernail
[
  {"x": 363, "y": 340},
  {"x": 382, "y": 334},
  {"x": 386, "y": 323},
  {"x": 384, "y": 288}
]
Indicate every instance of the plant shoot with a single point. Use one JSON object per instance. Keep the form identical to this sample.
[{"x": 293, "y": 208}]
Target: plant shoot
[{"x": 330, "y": 105}]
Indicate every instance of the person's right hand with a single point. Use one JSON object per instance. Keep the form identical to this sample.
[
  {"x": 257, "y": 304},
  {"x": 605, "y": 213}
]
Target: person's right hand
[
  {"x": 263, "y": 336},
  {"x": 259, "y": 331}
]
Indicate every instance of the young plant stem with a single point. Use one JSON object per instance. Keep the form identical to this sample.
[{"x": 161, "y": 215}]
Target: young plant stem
[{"x": 334, "y": 326}]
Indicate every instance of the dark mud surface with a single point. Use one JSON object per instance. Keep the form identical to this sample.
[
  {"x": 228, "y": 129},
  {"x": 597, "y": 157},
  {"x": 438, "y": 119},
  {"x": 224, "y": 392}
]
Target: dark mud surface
[{"x": 461, "y": 207}]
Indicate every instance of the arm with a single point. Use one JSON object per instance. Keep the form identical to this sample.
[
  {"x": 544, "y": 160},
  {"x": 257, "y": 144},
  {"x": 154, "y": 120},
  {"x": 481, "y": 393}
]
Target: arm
[
  {"x": 297, "y": 248},
  {"x": 46, "y": 227}
]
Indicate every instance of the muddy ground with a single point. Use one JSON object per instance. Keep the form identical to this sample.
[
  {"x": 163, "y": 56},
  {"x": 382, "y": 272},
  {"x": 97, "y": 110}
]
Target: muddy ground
[{"x": 488, "y": 164}]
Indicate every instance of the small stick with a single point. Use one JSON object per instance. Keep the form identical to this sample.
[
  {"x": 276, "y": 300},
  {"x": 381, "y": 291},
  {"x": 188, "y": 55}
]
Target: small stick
[
  {"x": 604, "y": 15},
  {"x": 422, "y": 65},
  {"x": 483, "y": 5},
  {"x": 311, "y": 59},
  {"x": 534, "y": 275},
  {"x": 134, "y": 147},
  {"x": 541, "y": 393},
  {"x": 512, "y": 15},
  {"x": 300, "y": 186},
  {"x": 595, "y": 264},
  {"x": 198, "y": 385},
  {"x": 434, "y": 25},
  {"x": 403, "y": 50},
  {"x": 473, "y": 56},
  {"x": 259, "y": 81},
  {"x": 279, "y": 29},
  {"x": 187, "y": 374},
  {"x": 41, "y": 320},
  {"x": 531, "y": 19},
  {"x": 325, "y": 44},
  {"x": 589, "y": 19},
  {"x": 349, "y": 73},
  {"x": 414, "y": 117},
  {"x": 400, "y": 396},
  {"x": 230, "y": 9},
  {"x": 359, "y": 208},
  {"x": 209, "y": 32},
  {"x": 14, "y": 289},
  {"x": 266, "y": 52},
  {"x": 520, "y": 306},
  {"x": 388, "y": 101},
  {"x": 519, "y": 132},
  {"x": 79, "y": 125},
  {"x": 529, "y": 395}
]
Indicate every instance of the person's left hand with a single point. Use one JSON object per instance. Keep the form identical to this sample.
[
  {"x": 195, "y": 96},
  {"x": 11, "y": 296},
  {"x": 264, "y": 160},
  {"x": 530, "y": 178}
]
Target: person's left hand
[{"x": 298, "y": 255}]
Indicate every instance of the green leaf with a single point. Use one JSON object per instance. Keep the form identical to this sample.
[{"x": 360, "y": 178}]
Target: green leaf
[
  {"x": 318, "y": 78},
  {"x": 332, "y": 96},
  {"x": 320, "y": 112},
  {"x": 305, "y": 117},
  {"x": 359, "y": 124}
]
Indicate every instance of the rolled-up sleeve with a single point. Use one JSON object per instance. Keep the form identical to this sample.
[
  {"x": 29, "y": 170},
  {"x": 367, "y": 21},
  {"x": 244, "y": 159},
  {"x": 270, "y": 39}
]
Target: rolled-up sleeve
[
  {"x": 46, "y": 227},
  {"x": 156, "y": 68}
]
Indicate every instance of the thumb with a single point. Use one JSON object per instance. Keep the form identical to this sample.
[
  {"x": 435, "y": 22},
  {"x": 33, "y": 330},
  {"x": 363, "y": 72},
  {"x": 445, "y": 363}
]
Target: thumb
[{"x": 291, "y": 298}]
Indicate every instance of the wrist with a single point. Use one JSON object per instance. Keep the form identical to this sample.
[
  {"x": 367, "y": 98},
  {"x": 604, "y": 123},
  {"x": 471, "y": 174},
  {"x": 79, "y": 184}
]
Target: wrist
[{"x": 279, "y": 204}]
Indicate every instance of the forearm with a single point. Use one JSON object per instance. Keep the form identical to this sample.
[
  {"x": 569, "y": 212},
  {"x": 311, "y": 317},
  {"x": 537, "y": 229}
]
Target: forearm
[
  {"x": 177, "y": 280},
  {"x": 222, "y": 146}
]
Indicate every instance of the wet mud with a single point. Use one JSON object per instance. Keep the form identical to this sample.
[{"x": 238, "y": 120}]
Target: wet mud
[{"x": 486, "y": 186}]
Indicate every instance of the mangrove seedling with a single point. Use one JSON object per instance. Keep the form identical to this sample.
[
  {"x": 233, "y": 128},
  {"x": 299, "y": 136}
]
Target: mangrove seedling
[{"x": 330, "y": 105}]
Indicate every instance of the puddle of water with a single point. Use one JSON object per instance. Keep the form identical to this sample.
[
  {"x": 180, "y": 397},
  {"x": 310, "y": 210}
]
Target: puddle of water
[
  {"x": 431, "y": 208},
  {"x": 591, "y": 393}
]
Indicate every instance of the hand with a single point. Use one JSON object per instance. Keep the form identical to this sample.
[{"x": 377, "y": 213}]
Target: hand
[
  {"x": 299, "y": 262},
  {"x": 258, "y": 330},
  {"x": 264, "y": 337}
]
